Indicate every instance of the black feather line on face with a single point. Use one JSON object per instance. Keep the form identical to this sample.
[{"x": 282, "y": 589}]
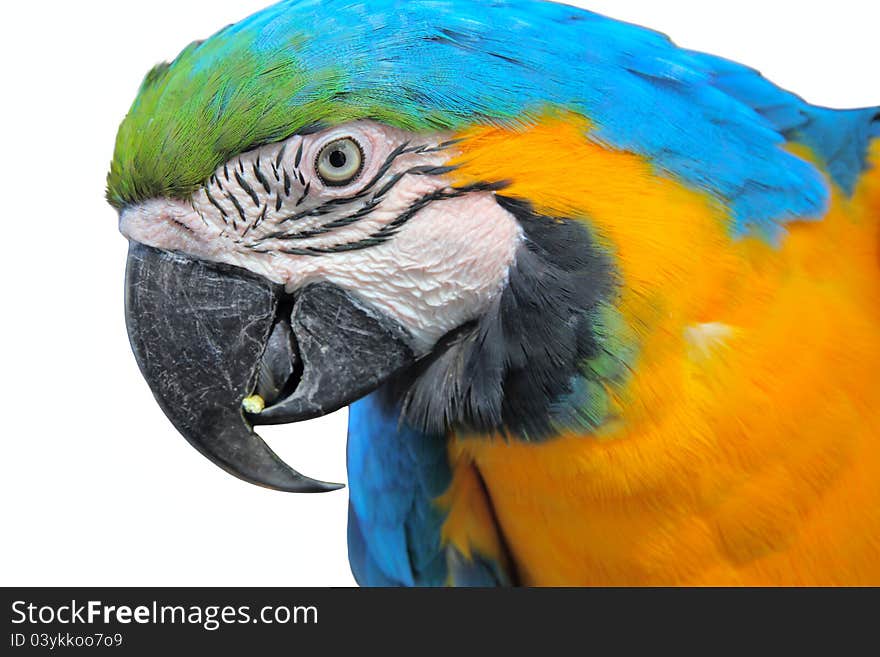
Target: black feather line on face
[
  {"x": 247, "y": 189},
  {"x": 505, "y": 372},
  {"x": 238, "y": 208},
  {"x": 370, "y": 205},
  {"x": 217, "y": 205},
  {"x": 280, "y": 157},
  {"x": 258, "y": 172},
  {"x": 384, "y": 233},
  {"x": 370, "y": 196}
]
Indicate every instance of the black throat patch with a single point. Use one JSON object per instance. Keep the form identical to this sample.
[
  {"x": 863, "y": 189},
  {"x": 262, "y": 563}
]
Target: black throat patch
[{"x": 516, "y": 370}]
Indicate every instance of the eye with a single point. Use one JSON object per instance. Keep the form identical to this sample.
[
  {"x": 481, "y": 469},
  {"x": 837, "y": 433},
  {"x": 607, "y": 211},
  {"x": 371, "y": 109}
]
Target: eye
[{"x": 340, "y": 162}]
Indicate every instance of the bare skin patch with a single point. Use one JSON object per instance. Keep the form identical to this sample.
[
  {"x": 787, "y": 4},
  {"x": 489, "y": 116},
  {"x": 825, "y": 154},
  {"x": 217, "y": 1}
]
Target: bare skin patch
[{"x": 399, "y": 234}]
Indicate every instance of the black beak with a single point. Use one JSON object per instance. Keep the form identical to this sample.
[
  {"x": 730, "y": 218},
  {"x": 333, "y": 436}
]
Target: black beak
[{"x": 212, "y": 340}]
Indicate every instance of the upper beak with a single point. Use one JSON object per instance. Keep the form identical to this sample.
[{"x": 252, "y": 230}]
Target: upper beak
[{"x": 208, "y": 337}]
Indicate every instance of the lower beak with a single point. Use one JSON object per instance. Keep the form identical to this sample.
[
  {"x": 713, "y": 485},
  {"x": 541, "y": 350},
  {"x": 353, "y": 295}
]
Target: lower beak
[{"x": 215, "y": 342}]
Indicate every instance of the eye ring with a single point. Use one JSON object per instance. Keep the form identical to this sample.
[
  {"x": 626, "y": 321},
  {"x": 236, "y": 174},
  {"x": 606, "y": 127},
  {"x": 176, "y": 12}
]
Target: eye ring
[{"x": 340, "y": 162}]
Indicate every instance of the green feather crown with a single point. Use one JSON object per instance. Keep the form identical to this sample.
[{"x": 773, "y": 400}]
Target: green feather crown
[
  {"x": 212, "y": 103},
  {"x": 255, "y": 82}
]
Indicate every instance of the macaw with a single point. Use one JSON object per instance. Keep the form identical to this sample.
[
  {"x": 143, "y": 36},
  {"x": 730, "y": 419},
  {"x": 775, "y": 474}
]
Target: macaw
[{"x": 604, "y": 311}]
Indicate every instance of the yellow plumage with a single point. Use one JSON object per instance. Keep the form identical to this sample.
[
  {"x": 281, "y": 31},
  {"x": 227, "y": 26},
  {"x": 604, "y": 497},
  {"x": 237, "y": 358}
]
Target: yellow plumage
[{"x": 746, "y": 444}]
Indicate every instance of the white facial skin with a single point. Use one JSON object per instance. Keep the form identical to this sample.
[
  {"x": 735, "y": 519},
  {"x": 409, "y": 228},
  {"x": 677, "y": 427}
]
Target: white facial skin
[{"x": 398, "y": 235}]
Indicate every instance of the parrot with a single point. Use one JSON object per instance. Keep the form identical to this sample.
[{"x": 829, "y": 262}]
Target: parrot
[{"x": 604, "y": 311}]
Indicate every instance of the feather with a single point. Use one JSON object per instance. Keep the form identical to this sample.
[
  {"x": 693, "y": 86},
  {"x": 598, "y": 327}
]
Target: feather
[{"x": 302, "y": 63}]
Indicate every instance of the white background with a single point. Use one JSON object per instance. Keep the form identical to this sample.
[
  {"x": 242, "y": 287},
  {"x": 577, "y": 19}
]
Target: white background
[{"x": 97, "y": 487}]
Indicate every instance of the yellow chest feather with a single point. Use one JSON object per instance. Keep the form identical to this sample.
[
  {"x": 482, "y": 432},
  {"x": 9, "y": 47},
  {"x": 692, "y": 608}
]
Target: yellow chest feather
[{"x": 746, "y": 447}]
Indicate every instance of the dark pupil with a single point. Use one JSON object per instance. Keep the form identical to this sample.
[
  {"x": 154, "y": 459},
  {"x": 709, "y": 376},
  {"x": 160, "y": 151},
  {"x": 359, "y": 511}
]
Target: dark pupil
[{"x": 338, "y": 159}]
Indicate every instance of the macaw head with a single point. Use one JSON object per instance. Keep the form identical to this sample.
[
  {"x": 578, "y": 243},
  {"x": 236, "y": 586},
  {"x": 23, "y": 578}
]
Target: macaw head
[{"x": 454, "y": 201}]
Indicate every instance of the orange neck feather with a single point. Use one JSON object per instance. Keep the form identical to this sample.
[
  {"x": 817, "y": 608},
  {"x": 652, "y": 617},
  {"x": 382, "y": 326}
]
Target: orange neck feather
[{"x": 747, "y": 445}]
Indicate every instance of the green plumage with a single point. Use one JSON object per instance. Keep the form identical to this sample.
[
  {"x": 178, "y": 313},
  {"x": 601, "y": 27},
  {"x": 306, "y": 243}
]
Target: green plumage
[
  {"x": 194, "y": 114},
  {"x": 261, "y": 81}
]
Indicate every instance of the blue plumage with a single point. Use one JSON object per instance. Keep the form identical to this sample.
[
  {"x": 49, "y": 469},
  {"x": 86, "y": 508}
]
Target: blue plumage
[
  {"x": 839, "y": 137},
  {"x": 449, "y": 64},
  {"x": 395, "y": 475}
]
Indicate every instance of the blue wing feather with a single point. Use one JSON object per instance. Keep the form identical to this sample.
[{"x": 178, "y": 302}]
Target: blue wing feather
[
  {"x": 395, "y": 474},
  {"x": 839, "y": 137},
  {"x": 394, "y": 525}
]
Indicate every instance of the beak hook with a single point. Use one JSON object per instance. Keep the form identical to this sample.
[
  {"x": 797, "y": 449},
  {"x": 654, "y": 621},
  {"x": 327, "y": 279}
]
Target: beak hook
[{"x": 198, "y": 333}]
